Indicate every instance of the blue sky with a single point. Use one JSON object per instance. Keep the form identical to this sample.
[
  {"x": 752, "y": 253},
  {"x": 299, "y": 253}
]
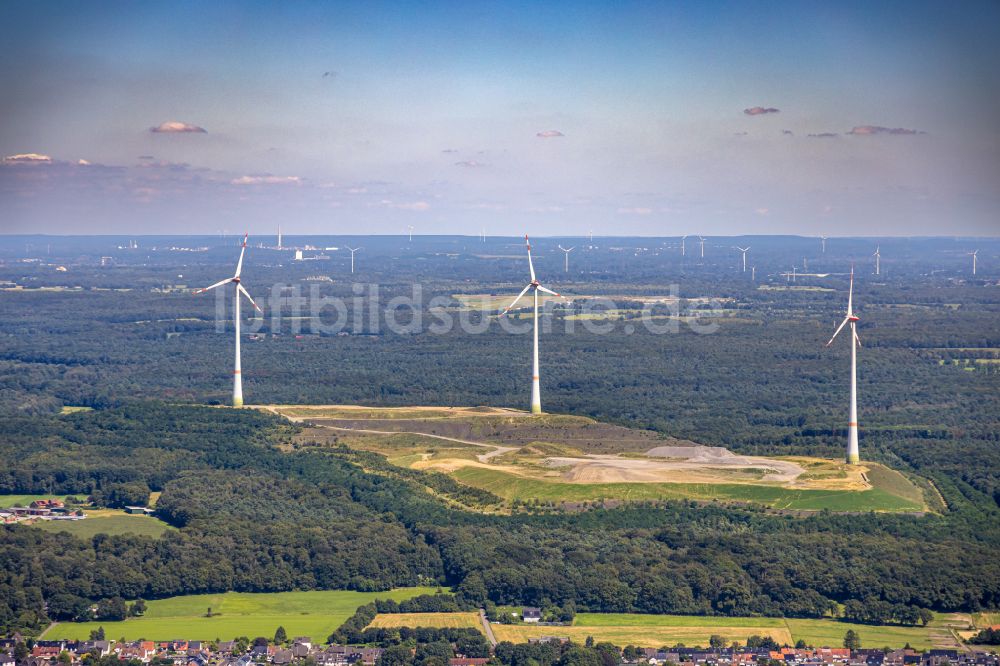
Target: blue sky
[{"x": 872, "y": 118}]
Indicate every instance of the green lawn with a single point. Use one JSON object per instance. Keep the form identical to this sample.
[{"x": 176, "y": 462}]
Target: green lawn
[
  {"x": 830, "y": 633},
  {"x": 315, "y": 614},
  {"x": 510, "y": 486},
  {"x": 25, "y": 500},
  {"x": 116, "y": 524}
]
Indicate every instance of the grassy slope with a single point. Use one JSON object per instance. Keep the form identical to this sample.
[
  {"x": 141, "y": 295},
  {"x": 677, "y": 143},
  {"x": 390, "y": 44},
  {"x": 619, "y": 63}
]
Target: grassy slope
[
  {"x": 25, "y": 500},
  {"x": 314, "y": 613},
  {"x": 657, "y": 630},
  {"x": 111, "y": 524},
  {"x": 513, "y": 487}
]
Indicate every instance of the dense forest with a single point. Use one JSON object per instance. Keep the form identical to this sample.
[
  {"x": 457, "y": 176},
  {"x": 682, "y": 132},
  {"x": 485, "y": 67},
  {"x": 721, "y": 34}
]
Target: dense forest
[{"x": 256, "y": 515}]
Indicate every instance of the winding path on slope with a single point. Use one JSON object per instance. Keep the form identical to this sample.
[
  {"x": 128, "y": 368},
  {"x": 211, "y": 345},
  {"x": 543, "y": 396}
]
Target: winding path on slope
[{"x": 497, "y": 450}]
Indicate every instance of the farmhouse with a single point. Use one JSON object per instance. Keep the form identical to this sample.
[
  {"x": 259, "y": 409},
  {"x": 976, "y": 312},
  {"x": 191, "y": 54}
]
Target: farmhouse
[{"x": 531, "y": 614}]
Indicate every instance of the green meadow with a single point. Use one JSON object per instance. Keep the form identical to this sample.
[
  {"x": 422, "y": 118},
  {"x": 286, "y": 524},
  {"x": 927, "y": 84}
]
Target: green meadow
[
  {"x": 25, "y": 500},
  {"x": 315, "y": 614},
  {"x": 818, "y": 633},
  {"x": 119, "y": 523}
]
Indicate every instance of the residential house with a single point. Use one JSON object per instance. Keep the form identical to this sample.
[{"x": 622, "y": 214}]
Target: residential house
[
  {"x": 6, "y": 659},
  {"x": 370, "y": 655},
  {"x": 467, "y": 661},
  {"x": 282, "y": 657},
  {"x": 530, "y": 614}
]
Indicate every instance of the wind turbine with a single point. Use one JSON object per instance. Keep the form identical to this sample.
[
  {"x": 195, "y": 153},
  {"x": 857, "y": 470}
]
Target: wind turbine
[
  {"x": 744, "y": 250},
  {"x": 683, "y": 251},
  {"x": 973, "y": 255},
  {"x": 823, "y": 240},
  {"x": 410, "y": 227},
  {"x": 535, "y": 287},
  {"x": 702, "y": 241},
  {"x": 753, "y": 273},
  {"x": 237, "y": 370},
  {"x": 352, "y": 250},
  {"x": 279, "y": 236},
  {"x": 591, "y": 236},
  {"x": 853, "y": 458},
  {"x": 566, "y": 269}
]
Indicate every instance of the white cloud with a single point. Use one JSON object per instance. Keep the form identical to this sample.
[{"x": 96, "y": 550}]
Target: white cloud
[
  {"x": 27, "y": 158},
  {"x": 413, "y": 205},
  {"x": 266, "y": 180},
  {"x": 177, "y": 127},
  {"x": 549, "y": 134}
]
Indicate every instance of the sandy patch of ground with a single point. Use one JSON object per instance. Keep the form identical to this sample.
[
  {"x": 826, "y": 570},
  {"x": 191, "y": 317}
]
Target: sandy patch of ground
[{"x": 700, "y": 464}]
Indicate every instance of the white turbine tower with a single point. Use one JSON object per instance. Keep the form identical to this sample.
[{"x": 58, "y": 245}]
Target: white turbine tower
[
  {"x": 852, "y": 423},
  {"x": 683, "y": 250},
  {"x": 237, "y": 370},
  {"x": 567, "y": 251},
  {"x": 279, "y": 236},
  {"x": 535, "y": 287},
  {"x": 410, "y": 227},
  {"x": 702, "y": 241},
  {"x": 744, "y": 250},
  {"x": 973, "y": 255},
  {"x": 352, "y": 251},
  {"x": 878, "y": 261},
  {"x": 823, "y": 240}
]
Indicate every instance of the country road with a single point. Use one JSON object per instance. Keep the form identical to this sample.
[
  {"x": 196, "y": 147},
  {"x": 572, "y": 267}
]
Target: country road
[{"x": 487, "y": 628}]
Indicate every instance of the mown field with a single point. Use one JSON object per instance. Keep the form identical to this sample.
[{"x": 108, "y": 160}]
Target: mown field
[
  {"x": 691, "y": 630},
  {"x": 315, "y": 614},
  {"x": 439, "y": 620},
  {"x": 112, "y": 523},
  {"x": 25, "y": 500},
  {"x": 644, "y": 636}
]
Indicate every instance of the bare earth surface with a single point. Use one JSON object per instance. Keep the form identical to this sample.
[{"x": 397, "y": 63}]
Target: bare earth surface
[{"x": 560, "y": 448}]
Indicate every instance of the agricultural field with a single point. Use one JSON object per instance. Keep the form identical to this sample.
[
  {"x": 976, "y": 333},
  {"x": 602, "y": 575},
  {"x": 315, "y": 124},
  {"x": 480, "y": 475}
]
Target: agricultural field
[
  {"x": 108, "y": 521},
  {"x": 314, "y": 613},
  {"x": 436, "y": 620},
  {"x": 657, "y": 630},
  {"x": 7, "y": 501},
  {"x": 557, "y": 458}
]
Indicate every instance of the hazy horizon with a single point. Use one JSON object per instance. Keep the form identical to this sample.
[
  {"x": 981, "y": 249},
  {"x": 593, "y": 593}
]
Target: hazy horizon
[{"x": 646, "y": 120}]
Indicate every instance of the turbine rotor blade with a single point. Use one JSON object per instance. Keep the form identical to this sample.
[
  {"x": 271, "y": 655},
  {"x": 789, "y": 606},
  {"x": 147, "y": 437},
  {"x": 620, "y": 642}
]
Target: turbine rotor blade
[
  {"x": 837, "y": 332},
  {"x": 857, "y": 339},
  {"x": 239, "y": 264},
  {"x": 531, "y": 267},
  {"x": 514, "y": 302},
  {"x": 243, "y": 291},
  {"x": 850, "y": 294},
  {"x": 217, "y": 284},
  {"x": 549, "y": 291}
]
